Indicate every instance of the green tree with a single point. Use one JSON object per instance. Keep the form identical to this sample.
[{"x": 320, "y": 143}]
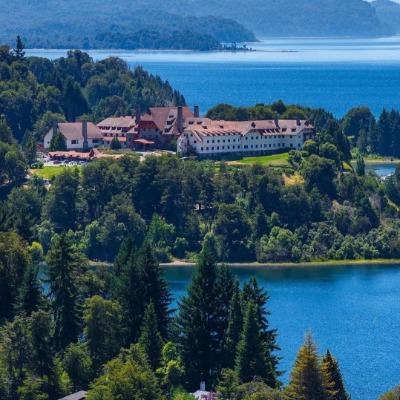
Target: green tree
[
  {"x": 360, "y": 166},
  {"x": 115, "y": 144},
  {"x": 57, "y": 142},
  {"x": 307, "y": 380},
  {"x": 19, "y": 49},
  {"x": 78, "y": 365},
  {"x": 64, "y": 260},
  {"x": 252, "y": 292},
  {"x": 251, "y": 359},
  {"x": 6, "y": 135},
  {"x": 127, "y": 377},
  {"x": 14, "y": 260},
  {"x": 197, "y": 323},
  {"x": 102, "y": 329},
  {"x": 30, "y": 294},
  {"x": 335, "y": 385},
  {"x": 150, "y": 339},
  {"x": 61, "y": 201},
  {"x": 319, "y": 172}
]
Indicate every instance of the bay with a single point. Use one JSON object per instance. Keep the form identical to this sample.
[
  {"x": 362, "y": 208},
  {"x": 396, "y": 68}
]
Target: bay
[
  {"x": 335, "y": 74},
  {"x": 352, "y": 310}
]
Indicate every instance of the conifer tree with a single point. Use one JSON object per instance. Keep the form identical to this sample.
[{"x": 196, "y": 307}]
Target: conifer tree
[
  {"x": 335, "y": 384},
  {"x": 30, "y": 295},
  {"x": 197, "y": 323},
  {"x": 156, "y": 288},
  {"x": 307, "y": 380},
  {"x": 259, "y": 296},
  {"x": 57, "y": 142},
  {"x": 235, "y": 328},
  {"x": 64, "y": 259},
  {"x": 150, "y": 339},
  {"x": 251, "y": 360},
  {"x": 19, "y": 49}
]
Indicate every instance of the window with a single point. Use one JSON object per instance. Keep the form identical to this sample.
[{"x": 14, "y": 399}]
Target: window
[
  {"x": 270, "y": 145},
  {"x": 217, "y": 147},
  {"x": 223, "y": 147},
  {"x": 208, "y": 141},
  {"x": 194, "y": 141},
  {"x": 201, "y": 149},
  {"x": 74, "y": 142},
  {"x": 212, "y": 148},
  {"x": 229, "y": 140},
  {"x": 212, "y": 141},
  {"x": 298, "y": 145},
  {"x": 245, "y": 146},
  {"x": 291, "y": 144},
  {"x": 256, "y": 146}
]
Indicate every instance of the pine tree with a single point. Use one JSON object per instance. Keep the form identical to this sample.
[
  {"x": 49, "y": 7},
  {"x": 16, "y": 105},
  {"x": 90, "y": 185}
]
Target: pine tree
[
  {"x": 156, "y": 288},
  {"x": 335, "y": 384},
  {"x": 57, "y": 142},
  {"x": 30, "y": 295},
  {"x": 197, "y": 323},
  {"x": 150, "y": 339},
  {"x": 307, "y": 381},
  {"x": 235, "y": 328},
  {"x": 64, "y": 259},
  {"x": 360, "y": 166},
  {"x": 252, "y": 292},
  {"x": 19, "y": 49},
  {"x": 251, "y": 360}
]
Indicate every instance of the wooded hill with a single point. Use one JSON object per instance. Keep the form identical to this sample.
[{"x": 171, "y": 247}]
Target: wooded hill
[{"x": 67, "y": 24}]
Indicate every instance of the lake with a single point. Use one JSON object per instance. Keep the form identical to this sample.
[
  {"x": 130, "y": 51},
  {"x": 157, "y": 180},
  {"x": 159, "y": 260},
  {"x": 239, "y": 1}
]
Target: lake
[
  {"x": 352, "y": 310},
  {"x": 335, "y": 74}
]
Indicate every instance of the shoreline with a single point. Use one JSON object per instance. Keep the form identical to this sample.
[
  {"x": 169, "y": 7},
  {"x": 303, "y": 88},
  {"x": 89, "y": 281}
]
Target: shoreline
[{"x": 332, "y": 263}]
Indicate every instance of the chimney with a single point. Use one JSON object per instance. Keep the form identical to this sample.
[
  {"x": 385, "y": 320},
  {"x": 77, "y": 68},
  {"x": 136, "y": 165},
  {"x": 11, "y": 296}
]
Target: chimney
[
  {"x": 179, "y": 120},
  {"x": 203, "y": 386},
  {"x": 277, "y": 122},
  {"x": 85, "y": 135},
  {"x": 137, "y": 114},
  {"x": 55, "y": 127},
  {"x": 298, "y": 121},
  {"x": 196, "y": 112}
]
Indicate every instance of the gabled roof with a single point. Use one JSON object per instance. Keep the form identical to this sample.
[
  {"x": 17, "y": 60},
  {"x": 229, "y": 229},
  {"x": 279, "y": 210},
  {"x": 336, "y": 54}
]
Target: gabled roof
[
  {"x": 76, "y": 396},
  {"x": 165, "y": 118},
  {"x": 202, "y": 127},
  {"x": 73, "y": 130},
  {"x": 118, "y": 122}
]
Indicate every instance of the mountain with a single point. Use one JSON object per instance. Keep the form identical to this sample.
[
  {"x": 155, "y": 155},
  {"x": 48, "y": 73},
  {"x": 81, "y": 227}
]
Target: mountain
[
  {"x": 69, "y": 23},
  {"x": 286, "y": 18},
  {"x": 389, "y": 13}
]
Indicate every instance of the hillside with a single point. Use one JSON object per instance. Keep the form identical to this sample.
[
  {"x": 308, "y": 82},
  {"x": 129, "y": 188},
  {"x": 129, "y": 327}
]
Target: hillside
[
  {"x": 50, "y": 23},
  {"x": 389, "y": 12},
  {"x": 284, "y": 18}
]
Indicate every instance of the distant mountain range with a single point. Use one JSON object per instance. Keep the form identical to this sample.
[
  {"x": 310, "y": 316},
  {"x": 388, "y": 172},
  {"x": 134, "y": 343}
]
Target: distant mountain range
[
  {"x": 389, "y": 12},
  {"x": 69, "y": 23}
]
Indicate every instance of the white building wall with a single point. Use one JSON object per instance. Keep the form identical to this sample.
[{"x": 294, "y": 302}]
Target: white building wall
[{"x": 252, "y": 142}]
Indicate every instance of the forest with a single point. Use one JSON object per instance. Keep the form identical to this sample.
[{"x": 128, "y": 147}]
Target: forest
[
  {"x": 69, "y": 322},
  {"x": 55, "y": 23}
]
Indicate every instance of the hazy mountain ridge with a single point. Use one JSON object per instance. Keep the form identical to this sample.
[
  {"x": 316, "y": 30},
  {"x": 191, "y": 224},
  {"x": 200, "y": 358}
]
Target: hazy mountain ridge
[
  {"x": 389, "y": 12},
  {"x": 46, "y": 23},
  {"x": 52, "y": 23}
]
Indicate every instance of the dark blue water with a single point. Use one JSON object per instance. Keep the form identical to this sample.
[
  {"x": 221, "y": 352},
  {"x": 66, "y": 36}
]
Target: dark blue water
[
  {"x": 335, "y": 74},
  {"x": 336, "y": 87},
  {"x": 353, "y": 311}
]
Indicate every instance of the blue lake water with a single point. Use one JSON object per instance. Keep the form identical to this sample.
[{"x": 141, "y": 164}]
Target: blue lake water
[
  {"x": 335, "y": 74},
  {"x": 352, "y": 310}
]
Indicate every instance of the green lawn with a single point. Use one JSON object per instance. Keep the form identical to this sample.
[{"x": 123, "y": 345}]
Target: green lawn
[
  {"x": 273, "y": 160},
  {"x": 51, "y": 171}
]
